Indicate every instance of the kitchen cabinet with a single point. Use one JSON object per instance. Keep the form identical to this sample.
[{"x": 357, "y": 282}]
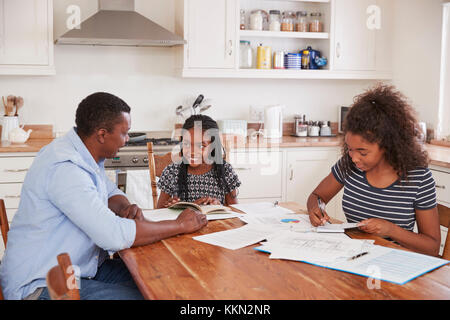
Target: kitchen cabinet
[
  {"x": 210, "y": 29},
  {"x": 13, "y": 169},
  {"x": 261, "y": 174},
  {"x": 306, "y": 168},
  {"x": 441, "y": 177},
  {"x": 352, "y": 49},
  {"x": 361, "y": 39},
  {"x": 26, "y": 37}
]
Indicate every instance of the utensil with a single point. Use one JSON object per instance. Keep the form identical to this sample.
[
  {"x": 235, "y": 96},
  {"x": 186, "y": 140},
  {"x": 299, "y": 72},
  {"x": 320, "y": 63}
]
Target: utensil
[
  {"x": 197, "y": 103},
  {"x": 204, "y": 108},
  {"x": 10, "y": 105},
  {"x": 19, "y": 104}
]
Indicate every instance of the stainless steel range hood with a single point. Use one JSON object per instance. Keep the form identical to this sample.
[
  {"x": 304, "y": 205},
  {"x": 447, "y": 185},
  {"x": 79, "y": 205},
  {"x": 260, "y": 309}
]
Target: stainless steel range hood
[{"x": 117, "y": 24}]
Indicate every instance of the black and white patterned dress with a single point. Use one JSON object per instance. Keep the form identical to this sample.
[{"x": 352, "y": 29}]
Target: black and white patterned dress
[{"x": 199, "y": 186}]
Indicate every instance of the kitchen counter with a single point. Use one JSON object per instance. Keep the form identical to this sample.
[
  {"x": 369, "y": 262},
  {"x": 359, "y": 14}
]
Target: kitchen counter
[
  {"x": 439, "y": 155},
  {"x": 32, "y": 145}
]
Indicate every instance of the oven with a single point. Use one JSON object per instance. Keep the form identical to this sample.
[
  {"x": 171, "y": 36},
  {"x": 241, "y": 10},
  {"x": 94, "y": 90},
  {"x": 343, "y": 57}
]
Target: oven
[{"x": 134, "y": 155}]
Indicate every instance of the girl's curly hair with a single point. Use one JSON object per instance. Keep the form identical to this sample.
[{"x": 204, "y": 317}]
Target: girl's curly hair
[{"x": 382, "y": 115}]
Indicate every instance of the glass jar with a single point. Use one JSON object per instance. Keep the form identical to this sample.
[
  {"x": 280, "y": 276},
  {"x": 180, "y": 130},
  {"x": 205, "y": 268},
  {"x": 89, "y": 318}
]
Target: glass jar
[
  {"x": 274, "y": 20},
  {"x": 301, "y": 24},
  {"x": 245, "y": 55},
  {"x": 287, "y": 23},
  {"x": 257, "y": 20},
  {"x": 315, "y": 24},
  {"x": 242, "y": 20}
]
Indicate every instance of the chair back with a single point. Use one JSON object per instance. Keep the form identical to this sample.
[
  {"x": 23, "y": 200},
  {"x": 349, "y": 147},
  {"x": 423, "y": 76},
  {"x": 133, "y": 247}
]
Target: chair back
[
  {"x": 1, "y": 294},
  {"x": 444, "y": 220},
  {"x": 4, "y": 224},
  {"x": 156, "y": 165},
  {"x": 61, "y": 282}
]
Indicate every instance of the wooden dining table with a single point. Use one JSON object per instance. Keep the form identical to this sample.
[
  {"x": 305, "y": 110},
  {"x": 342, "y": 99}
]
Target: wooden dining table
[{"x": 182, "y": 268}]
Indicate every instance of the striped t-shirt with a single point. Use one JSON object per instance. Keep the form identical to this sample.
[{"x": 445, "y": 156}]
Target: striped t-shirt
[{"x": 395, "y": 203}]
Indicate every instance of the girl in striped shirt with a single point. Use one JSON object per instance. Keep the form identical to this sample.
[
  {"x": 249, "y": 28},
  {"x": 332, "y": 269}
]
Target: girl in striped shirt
[{"x": 383, "y": 170}]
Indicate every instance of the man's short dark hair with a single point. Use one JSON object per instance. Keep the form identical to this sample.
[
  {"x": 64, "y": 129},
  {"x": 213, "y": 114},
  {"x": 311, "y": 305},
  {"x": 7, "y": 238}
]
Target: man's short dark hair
[{"x": 99, "y": 110}]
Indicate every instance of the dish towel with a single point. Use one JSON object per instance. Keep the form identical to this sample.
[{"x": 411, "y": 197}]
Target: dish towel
[{"x": 138, "y": 188}]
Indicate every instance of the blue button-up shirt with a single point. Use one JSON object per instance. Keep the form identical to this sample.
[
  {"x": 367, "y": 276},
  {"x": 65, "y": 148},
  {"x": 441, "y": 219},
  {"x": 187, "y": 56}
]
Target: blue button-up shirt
[{"x": 63, "y": 208}]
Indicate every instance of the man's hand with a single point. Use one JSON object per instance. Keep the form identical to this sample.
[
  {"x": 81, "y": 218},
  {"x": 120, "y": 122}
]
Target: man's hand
[
  {"x": 132, "y": 212},
  {"x": 191, "y": 221}
]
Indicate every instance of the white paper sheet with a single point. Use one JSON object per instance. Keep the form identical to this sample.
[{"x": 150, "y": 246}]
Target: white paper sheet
[
  {"x": 235, "y": 238},
  {"x": 261, "y": 208},
  {"x": 336, "y": 227}
]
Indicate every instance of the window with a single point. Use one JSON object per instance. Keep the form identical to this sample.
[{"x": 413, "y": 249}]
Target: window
[{"x": 443, "y": 129}]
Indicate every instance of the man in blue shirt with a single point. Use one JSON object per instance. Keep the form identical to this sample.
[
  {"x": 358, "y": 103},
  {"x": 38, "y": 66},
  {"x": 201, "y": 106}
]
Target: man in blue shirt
[{"x": 69, "y": 205}]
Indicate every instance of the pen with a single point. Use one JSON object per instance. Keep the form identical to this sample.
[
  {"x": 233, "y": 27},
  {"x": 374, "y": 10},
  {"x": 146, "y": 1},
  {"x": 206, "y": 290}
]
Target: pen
[
  {"x": 357, "y": 256},
  {"x": 321, "y": 206}
]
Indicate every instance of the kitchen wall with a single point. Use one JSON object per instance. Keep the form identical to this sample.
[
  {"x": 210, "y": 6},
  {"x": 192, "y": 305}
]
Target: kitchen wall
[
  {"x": 416, "y": 51},
  {"x": 147, "y": 79}
]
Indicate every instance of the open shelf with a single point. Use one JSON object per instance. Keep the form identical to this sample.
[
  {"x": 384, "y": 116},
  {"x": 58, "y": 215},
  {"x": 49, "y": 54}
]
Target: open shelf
[{"x": 284, "y": 34}]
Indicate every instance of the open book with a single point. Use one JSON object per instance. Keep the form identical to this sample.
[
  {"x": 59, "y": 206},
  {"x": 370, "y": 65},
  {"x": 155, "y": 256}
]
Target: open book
[{"x": 205, "y": 209}]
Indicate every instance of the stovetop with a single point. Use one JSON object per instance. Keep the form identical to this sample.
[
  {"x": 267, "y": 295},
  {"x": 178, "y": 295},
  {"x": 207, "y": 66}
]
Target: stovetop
[{"x": 156, "y": 142}]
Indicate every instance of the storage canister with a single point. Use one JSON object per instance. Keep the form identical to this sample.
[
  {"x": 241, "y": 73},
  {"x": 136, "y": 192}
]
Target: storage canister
[
  {"x": 301, "y": 24},
  {"x": 257, "y": 20},
  {"x": 287, "y": 23},
  {"x": 315, "y": 24},
  {"x": 274, "y": 20}
]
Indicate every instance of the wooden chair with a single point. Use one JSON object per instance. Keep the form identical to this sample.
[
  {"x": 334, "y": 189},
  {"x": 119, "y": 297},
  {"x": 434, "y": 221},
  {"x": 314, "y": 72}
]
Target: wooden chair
[
  {"x": 4, "y": 224},
  {"x": 444, "y": 220},
  {"x": 156, "y": 165},
  {"x": 60, "y": 277}
]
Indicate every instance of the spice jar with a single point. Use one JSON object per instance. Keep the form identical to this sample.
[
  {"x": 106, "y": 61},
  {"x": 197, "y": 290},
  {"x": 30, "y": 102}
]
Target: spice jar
[
  {"x": 274, "y": 20},
  {"x": 245, "y": 57},
  {"x": 287, "y": 23},
  {"x": 316, "y": 25},
  {"x": 301, "y": 24},
  {"x": 242, "y": 20},
  {"x": 256, "y": 20}
]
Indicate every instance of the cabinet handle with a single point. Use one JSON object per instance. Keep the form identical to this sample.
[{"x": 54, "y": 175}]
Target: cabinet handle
[
  {"x": 440, "y": 186},
  {"x": 292, "y": 174},
  {"x": 243, "y": 169},
  {"x": 230, "y": 47},
  {"x": 12, "y": 197},
  {"x": 15, "y": 170},
  {"x": 338, "y": 50}
]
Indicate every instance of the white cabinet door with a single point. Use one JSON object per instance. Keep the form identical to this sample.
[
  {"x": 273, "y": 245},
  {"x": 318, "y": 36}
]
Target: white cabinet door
[
  {"x": 24, "y": 32},
  {"x": 305, "y": 170},
  {"x": 354, "y": 42},
  {"x": 260, "y": 174},
  {"x": 210, "y": 31}
]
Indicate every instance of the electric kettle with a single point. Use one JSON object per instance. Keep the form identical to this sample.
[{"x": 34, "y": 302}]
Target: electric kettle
[{"x": 273, "y": 122}]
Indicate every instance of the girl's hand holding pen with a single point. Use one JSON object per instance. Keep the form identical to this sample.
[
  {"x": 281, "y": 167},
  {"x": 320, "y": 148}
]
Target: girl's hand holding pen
[{"x": 317, "y": 215}]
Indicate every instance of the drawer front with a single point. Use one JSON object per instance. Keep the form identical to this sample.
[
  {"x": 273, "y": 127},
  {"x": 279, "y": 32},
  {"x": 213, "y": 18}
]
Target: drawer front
[
  {"x": 259, "y": 173},
  {"x": 10, "y": 193},
  {"x": 14, "y": 169},
  {"x": 442, "y": 180}
]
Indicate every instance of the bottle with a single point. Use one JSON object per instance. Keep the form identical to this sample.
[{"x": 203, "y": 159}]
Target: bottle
[
  {"x": 301, "y": 24},
  {"x": 242, "y": 19},
  {"x": 274, "y": 20},
  {"x": 245, "y": 59},
  {"x": 263, "y": 57}
]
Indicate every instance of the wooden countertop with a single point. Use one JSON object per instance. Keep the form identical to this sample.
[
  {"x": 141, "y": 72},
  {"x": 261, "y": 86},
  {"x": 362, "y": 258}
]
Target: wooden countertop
[
  {"x": 439, "y": 155},
  {"x": 32, "y": 145}
]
